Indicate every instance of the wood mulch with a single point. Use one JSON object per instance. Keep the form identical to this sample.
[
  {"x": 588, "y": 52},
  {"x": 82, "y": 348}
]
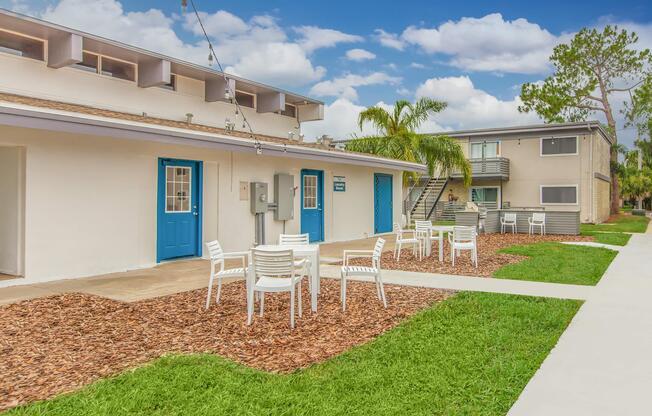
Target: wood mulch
[
  {"x": 488, "y": 259},
  {"x": 60, "y": 343}
]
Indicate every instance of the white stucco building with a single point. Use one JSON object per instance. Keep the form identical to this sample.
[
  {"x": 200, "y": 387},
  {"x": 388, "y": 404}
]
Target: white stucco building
[{"x": 115, "y": 158}]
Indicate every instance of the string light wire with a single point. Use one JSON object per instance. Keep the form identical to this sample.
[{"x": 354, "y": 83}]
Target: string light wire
[{"x": 257, "y": 144}]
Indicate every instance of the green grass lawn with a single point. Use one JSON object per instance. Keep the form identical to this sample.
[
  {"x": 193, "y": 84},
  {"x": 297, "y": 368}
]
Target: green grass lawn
[
  {"x": 615, "y": 239},
  {"x": 557, "y": 263},
  {"x": 471, "y": 355},
  {"x": 619, "y": 223}
]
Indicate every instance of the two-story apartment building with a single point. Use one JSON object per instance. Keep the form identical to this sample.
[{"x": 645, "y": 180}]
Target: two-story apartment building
[
  {"x": 561, "y": 167},
  {"x": 115, "y": 158}
]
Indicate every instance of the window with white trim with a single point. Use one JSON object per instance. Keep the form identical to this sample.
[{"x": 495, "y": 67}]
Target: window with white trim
[
  {"x": 559, "y": 194},
  {"x": 177, "y": 188},
  {"x": 558, "y": 146},
  {"x": 310, "y": 191},
  {"x": 24, "y": 46}
]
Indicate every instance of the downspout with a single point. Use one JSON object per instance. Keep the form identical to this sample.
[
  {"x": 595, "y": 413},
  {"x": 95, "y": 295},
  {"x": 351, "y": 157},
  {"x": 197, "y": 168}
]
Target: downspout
[{"x": 591, "y": 190}]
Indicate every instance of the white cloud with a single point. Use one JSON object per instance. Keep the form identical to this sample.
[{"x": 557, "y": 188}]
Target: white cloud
[
  {"x": 283, "y": 63},
  {"x": 403, "y": 91},
  {"x": 469, "y": 107},
  {"x": 340, "y": 121},
  {"x": 313, "y": 37},
  {"x": 345, "y": 87},
  {"x": 390, "y": 40},
  {"x": 489, "y": 43},
  {"x": 417, "y": 65},
  {"x": 359, "y": 55},
  {"x": 258, "y": 48}
]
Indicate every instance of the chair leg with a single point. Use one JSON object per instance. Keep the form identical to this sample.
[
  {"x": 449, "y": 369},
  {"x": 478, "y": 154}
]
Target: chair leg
[
  {"x": 299, "y": 299},
  {"x": 210, "y": 287},
  {"x": 379, "y": 279},
  {"x": 262, "y": 302},
  {"x": 292, "y": 307},
  {"x": 398, "y": 257},
  {"x": 250, "y": 306},
  {"x": 453, "y": 255},
  {"x": 343, "y": 288},
  {"x": 219, "y": 290}
]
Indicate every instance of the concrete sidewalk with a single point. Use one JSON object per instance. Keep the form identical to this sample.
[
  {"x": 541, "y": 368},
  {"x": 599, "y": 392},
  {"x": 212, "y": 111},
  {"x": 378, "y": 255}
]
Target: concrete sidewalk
[
  {"x": 471, "y": 283},
  {"x": 602, "y": 364}
]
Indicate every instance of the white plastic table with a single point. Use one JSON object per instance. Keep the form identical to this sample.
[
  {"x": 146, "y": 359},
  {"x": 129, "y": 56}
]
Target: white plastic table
[
  {"x": 310, "y": 251},
  {"x": 441, "y": 229}
]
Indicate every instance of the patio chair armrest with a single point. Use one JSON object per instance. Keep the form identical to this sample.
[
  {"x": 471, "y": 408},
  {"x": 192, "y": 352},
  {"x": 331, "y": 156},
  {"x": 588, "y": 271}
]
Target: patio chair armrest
[{"x": 244, "y": 255}]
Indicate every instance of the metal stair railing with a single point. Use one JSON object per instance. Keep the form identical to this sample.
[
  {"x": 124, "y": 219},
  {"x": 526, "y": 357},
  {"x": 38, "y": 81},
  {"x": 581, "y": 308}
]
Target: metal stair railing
[
  {"x": 414, "y": 193},
  {"x": 431, "y": 198}
]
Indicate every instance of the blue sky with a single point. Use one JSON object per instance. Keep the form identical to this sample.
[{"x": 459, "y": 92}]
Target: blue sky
[{"x": 472, "y": 54}]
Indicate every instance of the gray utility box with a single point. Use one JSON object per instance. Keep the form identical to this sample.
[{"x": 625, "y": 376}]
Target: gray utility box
[
  {"x": 284, "y": 196},
  {"x": 259, "y": 201}
]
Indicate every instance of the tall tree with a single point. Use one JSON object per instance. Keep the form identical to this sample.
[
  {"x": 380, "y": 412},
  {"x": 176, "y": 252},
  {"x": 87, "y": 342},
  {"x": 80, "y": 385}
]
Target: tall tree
[
  {"x": 397, "y": 138},
  {"x": 587, "y": 72}
]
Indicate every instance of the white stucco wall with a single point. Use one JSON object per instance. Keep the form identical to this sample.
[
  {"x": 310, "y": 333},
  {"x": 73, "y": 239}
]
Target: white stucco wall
[
  {"x": 91, "y": 201},
  {"x": 33, "y": 78}
]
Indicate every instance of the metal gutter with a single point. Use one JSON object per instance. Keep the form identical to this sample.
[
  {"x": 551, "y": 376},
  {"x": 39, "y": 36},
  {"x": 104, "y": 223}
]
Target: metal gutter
[
  {"x": 99, "y": 126},
  {"x": 528, "y": 129}
]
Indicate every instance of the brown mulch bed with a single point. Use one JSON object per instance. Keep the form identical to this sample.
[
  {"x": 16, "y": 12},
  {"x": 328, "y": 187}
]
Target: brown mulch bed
[
  {"x": 59, "y": 343},
  {"x": 488, "y": 259}
]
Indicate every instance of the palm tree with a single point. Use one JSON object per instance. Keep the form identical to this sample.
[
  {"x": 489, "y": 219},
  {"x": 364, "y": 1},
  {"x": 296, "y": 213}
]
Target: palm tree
[{"x": 397, "y": 138}]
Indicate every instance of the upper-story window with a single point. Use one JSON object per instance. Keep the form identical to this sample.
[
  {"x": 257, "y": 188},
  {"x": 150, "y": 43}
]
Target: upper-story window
[
  {"x": 118, "y": 69},
  {"x": 89, "y": 62},
  {"x": 21, "y": 45},
  {"x": 245, "y": 99},
  {"x": 290, "y": 111},
  {"x": 107, "y": 66},
  {"x": 484, "y": 149},
  {"x": 555, "y": 146}
]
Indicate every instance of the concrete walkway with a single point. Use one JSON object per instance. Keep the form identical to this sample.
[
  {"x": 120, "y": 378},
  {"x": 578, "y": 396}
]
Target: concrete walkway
[
  {"x": 470, "y": 283},
  {"x": 592, "y": 244},
  {"x": 602, "y": 364}
]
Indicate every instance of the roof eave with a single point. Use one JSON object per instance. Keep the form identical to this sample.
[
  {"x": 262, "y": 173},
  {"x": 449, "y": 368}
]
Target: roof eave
[{"x": 56, "y": 121}]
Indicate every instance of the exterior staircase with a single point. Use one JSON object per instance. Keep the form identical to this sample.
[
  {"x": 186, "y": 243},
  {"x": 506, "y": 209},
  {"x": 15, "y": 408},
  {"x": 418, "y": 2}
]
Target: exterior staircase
[{"x": 423, "y": 208}]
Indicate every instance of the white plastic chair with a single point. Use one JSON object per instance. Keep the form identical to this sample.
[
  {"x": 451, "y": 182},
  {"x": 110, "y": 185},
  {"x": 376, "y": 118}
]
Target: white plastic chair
[
  {"x": 401, "y": 240},
  {"x": 294, "y": 239},
  {"x": 508, "y": 220},
  {"x": 425, "y": 233},
  {"x": 217, "y": 257},
  {"x": 374, "y": 270},
  {"x": 276, "y": 271},
  {"x": 538, "y": 219},
  {"x": 463, "y": 238}
]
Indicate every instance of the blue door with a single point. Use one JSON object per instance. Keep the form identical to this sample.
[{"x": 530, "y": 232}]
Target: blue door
[
  {"x": 312, "y": 204},
  {"x": 179, "y": 209},
  {"x": 383, "y": 206}
]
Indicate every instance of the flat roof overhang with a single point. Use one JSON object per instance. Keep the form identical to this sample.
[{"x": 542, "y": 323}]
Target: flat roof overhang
[
  {"x": 44, "y": 30},
  {"x": 40, "y": 119}
]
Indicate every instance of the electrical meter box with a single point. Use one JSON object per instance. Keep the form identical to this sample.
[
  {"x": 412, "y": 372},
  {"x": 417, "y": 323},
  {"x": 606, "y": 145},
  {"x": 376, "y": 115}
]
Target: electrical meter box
[
  {"x": 258, "y": 198},
  {"x": 284, "y": 196}
]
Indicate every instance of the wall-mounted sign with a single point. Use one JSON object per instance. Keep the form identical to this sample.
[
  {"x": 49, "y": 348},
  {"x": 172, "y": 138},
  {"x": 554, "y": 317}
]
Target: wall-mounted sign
[{"x": 339, "y": 183}]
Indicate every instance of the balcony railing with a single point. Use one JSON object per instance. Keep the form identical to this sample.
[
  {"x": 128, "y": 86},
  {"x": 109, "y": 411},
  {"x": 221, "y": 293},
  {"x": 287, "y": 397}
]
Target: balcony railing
[{"x": 490, "y": 168}]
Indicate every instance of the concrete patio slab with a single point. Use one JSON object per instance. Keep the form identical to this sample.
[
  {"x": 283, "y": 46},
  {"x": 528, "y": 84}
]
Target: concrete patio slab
[{"x": 601, "y": 364}]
